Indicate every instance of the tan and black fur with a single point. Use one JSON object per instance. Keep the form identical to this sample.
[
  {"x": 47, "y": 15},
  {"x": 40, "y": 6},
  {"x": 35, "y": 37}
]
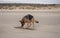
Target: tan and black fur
[{"x": 29, "y": 19}]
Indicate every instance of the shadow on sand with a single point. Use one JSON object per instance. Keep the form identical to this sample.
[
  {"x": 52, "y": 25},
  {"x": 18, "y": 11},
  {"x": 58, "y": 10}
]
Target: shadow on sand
[{"x": 18, "y": 27}]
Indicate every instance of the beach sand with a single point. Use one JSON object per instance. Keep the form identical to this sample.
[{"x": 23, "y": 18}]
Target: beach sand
[{"x": 48, "y": 26}]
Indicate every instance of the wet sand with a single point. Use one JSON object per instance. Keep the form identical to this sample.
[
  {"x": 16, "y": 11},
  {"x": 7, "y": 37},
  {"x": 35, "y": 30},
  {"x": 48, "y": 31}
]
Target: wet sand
[{"x": 48, "y": 26}]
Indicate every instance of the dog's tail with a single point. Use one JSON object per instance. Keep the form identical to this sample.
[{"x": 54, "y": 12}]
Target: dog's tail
[{"x": 36, "y": 21}]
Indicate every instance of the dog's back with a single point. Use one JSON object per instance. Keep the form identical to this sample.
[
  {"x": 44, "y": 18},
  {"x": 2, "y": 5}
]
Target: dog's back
[{"x": 28, "y": 17}]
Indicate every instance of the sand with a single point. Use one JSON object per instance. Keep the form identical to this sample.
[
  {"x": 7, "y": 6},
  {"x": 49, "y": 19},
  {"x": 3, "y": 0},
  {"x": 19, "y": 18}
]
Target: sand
[{"x": 48, "y": 26}]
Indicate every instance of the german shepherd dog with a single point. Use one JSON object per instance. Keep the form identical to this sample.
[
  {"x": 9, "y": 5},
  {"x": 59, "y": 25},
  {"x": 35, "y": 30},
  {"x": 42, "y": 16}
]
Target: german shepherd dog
[{"x": 28, "y": 19}]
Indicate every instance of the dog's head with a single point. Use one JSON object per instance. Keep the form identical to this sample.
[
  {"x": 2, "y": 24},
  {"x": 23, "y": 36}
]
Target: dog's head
[
  {"x": 19, "y": 20},
  {"x": 22, "y": 23}
]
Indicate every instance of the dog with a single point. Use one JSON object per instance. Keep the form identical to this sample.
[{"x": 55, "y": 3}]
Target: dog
[{"x": 29, "y": 19}]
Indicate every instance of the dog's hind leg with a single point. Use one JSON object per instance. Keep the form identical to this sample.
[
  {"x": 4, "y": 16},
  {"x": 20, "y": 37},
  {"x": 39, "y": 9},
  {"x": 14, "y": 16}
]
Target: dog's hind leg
[{"x": 33, "y": 23}]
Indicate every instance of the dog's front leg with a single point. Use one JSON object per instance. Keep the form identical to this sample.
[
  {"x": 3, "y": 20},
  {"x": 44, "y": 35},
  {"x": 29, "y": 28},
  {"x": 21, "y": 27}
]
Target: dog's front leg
[{"x": 27, "y": 25}]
